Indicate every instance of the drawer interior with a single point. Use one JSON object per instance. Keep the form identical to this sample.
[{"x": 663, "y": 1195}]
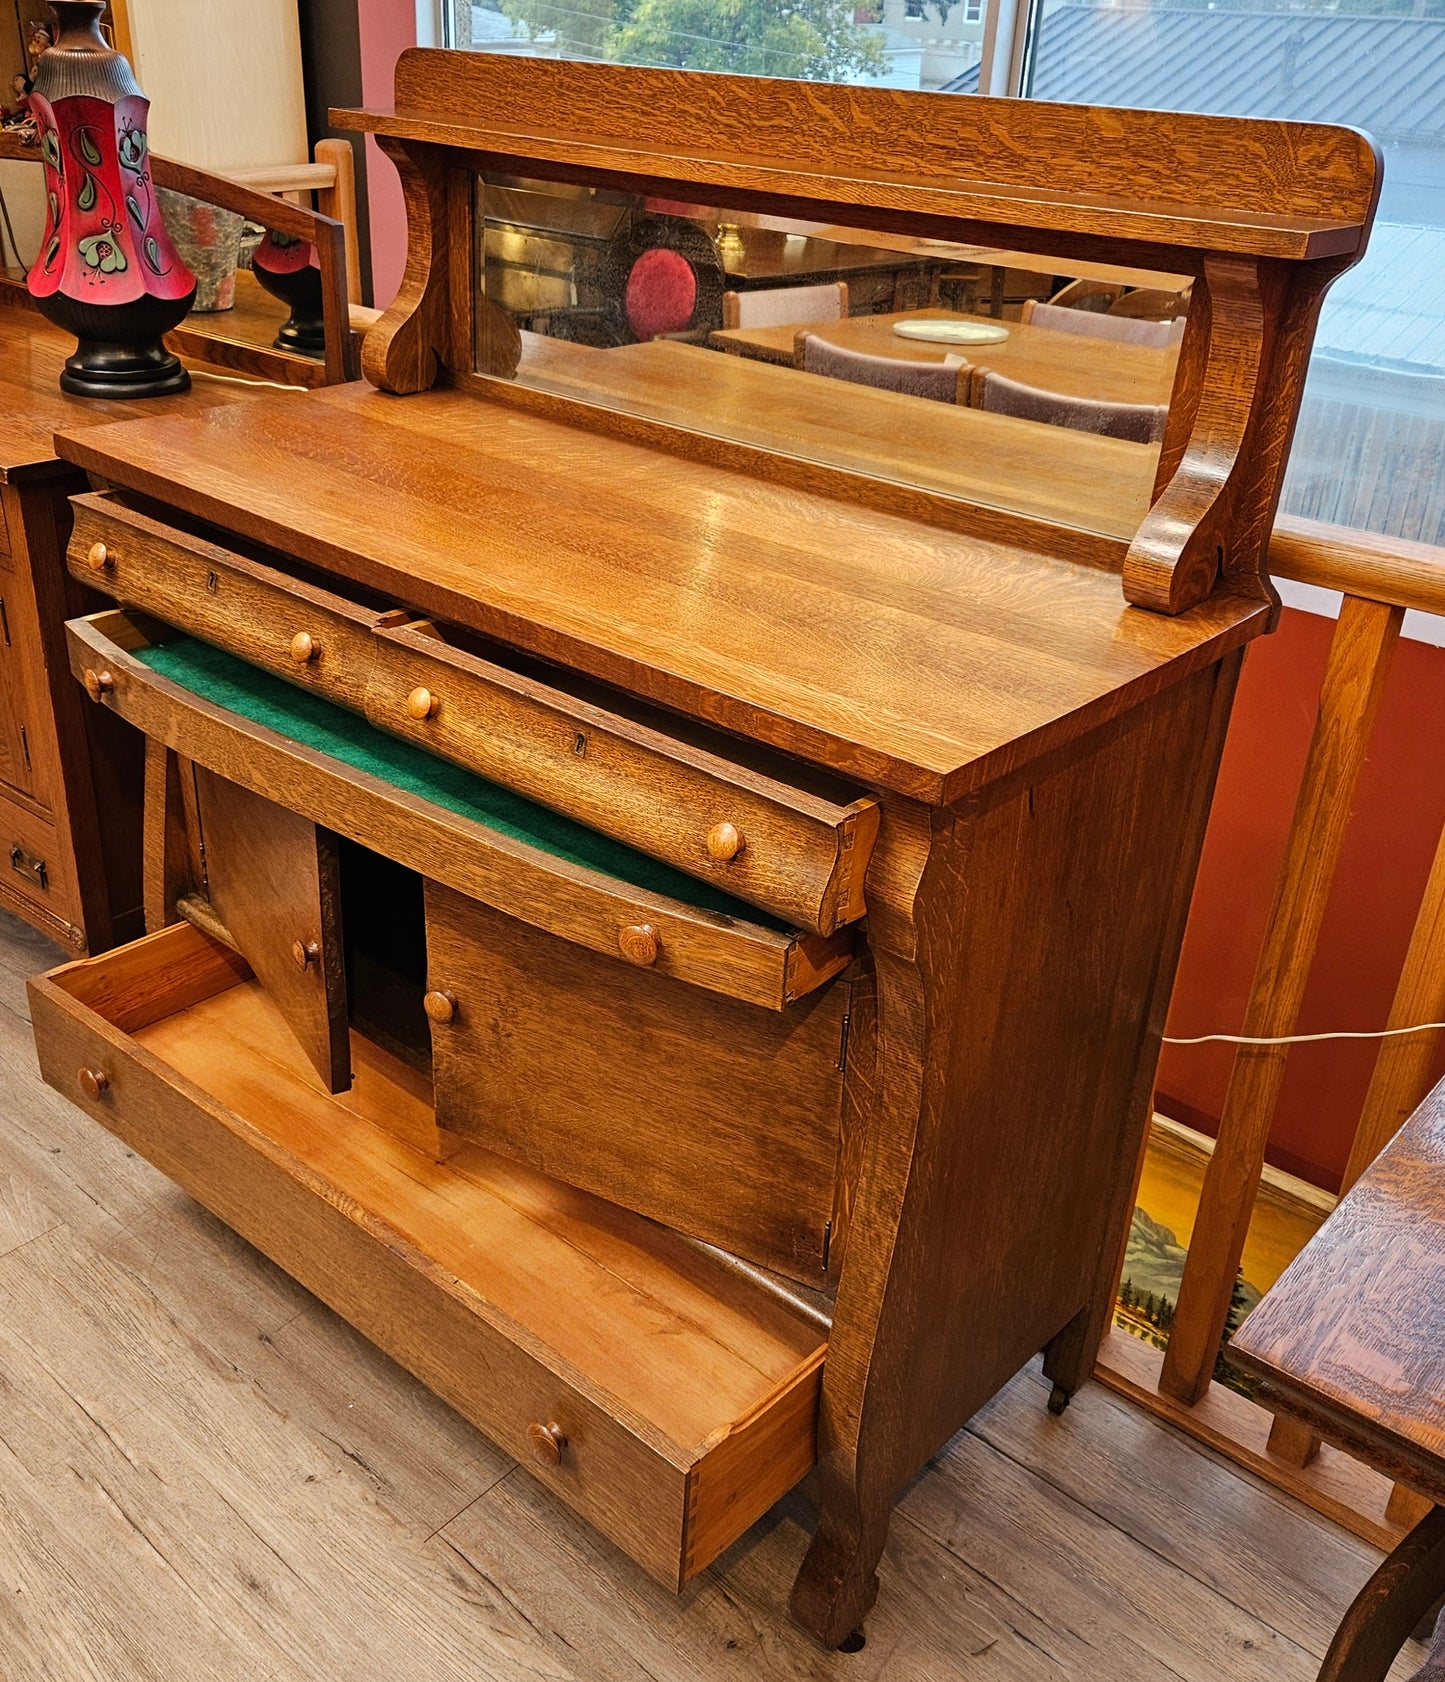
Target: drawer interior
[
  {"x": 316, "y": 723},
  {"x": 712, "y": 1379}
]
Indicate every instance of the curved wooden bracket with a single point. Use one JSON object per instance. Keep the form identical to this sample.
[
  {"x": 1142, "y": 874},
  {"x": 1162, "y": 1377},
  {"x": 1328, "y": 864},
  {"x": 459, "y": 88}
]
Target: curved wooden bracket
[
  {"x": 429, "y": 325},
  {"x": 404, "y": 351},
  {"x": 1179, "y": 550}
]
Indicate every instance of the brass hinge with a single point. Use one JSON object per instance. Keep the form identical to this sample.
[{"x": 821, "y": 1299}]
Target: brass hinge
[
  {"x": 4, "y": 622},
  {"x": 827, "y": 1243},
  {"x": 843, "y": 1043},
  {"x": 25, "y": 747}
]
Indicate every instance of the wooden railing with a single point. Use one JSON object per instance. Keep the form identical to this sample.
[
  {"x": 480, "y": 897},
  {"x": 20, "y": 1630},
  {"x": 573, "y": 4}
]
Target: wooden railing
[{"x": 1381, "y": 578}]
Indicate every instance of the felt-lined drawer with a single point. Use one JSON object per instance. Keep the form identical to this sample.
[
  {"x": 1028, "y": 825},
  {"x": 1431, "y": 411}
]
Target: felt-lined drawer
[
  {"x": 542, "y": 868},
  {"x": 665, "y": 1398},
  {"x": 303, "y": 633},
  {"x": 765, "y": 831},
  {"x": 793, "y": 851}
]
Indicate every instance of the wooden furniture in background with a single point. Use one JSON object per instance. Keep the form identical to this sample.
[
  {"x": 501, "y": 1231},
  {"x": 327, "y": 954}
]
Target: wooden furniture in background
[
  {"x": 209, "y": 337},
  {"x": 976, "y": 460},
  {"x": 70, "y": 779},
  {"x": 990, "y": 737},
  {"x": 1351, "y": 1344},
  {"x": 1156, "y": 334},
  {"x": 1062, "y": 362},
  {"x": 70, "y": 782},
  {"x": 941, "y": 381},
  {"x": 1381, "y": 578},
  {"x": 776, "y": 306},
  {"x": 330, "y": 181},
  {"x": 1143, "y": 423}
]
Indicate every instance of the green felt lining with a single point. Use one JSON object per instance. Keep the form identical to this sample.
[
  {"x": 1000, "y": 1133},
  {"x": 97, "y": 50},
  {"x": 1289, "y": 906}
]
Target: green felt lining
[{"x": 303, "y": 717}]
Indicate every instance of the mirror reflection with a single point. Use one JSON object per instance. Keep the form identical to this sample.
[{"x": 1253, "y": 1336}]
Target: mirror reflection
[
  {"x": 991, "y": 375},
  {"x": 255, "y": 286}
]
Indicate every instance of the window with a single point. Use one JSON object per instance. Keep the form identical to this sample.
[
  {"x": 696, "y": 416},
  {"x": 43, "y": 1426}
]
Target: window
[
  {"x": 895, "y": 43},
  {"x": 1372, "y": 432}
]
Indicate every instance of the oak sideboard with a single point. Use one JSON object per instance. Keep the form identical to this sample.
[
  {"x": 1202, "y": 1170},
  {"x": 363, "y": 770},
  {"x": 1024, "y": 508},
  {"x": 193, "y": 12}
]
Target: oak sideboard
[{"x": 664, "y": 871}]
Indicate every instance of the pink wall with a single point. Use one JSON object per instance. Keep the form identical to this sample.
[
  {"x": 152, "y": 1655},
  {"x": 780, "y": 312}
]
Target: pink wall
[
  {"x": 1397, "y": 816},
  {"x": 387, "y": 28}
]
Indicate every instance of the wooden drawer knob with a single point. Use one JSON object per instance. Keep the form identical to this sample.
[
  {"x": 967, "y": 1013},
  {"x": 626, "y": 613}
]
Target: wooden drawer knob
[
  {"x": 92, "y": 1082},
  {"x": 724, "y": 842},
  {"x": 304, "y": 648},
  {"x": 304, "y": 953},
  {"x": 547, "y": 1442},
  {"x": 97, "y": 683},
  {"x": 98, "y": 556},
  {"x": 639, "y": 944},
  {"x": 421, "y": 703},
  {"x": 440, "y": 1006}
]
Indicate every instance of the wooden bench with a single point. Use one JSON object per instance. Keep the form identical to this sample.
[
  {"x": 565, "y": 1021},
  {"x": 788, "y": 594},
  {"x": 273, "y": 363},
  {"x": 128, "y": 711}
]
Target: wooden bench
[{"x": 1351, "y": 1341}]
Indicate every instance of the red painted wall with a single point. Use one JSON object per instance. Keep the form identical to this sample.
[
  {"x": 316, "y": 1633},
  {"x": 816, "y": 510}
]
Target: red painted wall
[
  {"x": 1399, "y": 811},
  {"x": 387, "y": 29}
]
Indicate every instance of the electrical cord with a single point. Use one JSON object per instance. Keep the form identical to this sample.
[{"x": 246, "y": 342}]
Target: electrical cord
[
  {"x": 234, "y": 379},
  {"x": 1305, "y": 1039}
]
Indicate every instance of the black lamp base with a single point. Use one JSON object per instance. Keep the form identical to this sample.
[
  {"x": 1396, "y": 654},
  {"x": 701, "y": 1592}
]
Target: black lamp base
[
  {"x": 122, "y": 371},
  {"x": 120, "y": 354},
  {"x": 302, "y": 336}
]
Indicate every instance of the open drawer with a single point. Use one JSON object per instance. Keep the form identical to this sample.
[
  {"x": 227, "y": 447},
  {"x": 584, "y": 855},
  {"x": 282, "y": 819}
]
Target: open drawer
[
  {"x": 767, "y": 831},
  {"x": 471, "y": 835},
  {"x": 665, "y": 1397},
  {"x": 308, "y": 635}
]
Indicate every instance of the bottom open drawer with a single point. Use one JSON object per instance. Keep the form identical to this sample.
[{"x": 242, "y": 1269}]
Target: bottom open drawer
[{"x": 667, "y": 1399}]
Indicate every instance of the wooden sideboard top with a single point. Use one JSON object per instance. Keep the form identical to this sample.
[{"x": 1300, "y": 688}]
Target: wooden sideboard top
[
  {"x": 33, "y": 408},
  {"x": 914, "y": 658}
]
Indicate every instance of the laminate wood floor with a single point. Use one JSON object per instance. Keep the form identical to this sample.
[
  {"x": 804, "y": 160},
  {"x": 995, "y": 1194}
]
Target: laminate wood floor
[{"x": 205, "y": 1475}]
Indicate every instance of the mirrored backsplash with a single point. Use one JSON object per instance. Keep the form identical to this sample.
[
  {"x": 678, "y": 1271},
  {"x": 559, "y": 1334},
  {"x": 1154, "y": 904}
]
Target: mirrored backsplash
[{"x": 1034, "y": 384}]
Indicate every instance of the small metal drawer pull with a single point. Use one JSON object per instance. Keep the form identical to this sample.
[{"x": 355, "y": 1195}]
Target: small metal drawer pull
[
  {"x": 98, "y": 556},
  {"x": 440, "y": 1005},
  {"x": 29, "y": 865},
  {"x": 547, "y": 1442},
  {"x": 305, "y": 648},
  {"x": 304, "y": 953},
  {"x": 724, "y": 842},
  {"x": 92, "y": 1082},
  {"x": 420, "y": 704},
  {"x": 639, "y": 944}
]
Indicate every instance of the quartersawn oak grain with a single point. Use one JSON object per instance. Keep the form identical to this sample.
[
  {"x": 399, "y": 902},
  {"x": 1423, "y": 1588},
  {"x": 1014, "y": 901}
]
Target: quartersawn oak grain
[
  {"x": 491, "y": 1282},
  {"x": 748, "y": 961},
  {"x": 949, "y": 661},
  {"x": 1042, "y": 754},
  {"x": 274, "y": 881},
  {"x": 595, "y": 1073}
]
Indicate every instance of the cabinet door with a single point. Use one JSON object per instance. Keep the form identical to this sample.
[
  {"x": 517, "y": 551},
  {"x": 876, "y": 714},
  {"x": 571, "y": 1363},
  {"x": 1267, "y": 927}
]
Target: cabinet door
[
  {"x": 273, "y": 879},
  {"x": 714, "y": 1116}
]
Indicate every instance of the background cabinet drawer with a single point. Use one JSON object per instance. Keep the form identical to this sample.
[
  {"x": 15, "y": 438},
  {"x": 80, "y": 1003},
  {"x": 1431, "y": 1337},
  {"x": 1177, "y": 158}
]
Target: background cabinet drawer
[
  {"x": 664, "y": 1398},
  {"x": 713, "y": 1116},
  {"x": 31, "y": 865},
  {"x": 302, "y": 633}
]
